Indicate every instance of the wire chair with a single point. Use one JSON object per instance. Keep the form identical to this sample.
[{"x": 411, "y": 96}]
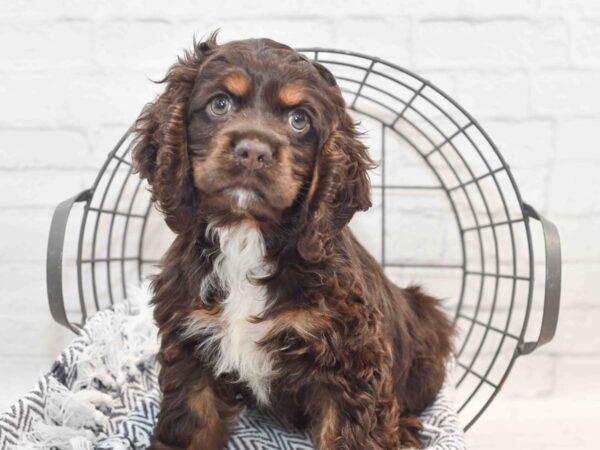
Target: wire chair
[{"x": 447, "y": 212}]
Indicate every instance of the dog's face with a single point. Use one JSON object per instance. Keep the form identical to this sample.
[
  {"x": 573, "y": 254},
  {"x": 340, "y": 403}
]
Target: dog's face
[
  {"x": 252, "y": 129},
  {"x": 255, "y": 122}
]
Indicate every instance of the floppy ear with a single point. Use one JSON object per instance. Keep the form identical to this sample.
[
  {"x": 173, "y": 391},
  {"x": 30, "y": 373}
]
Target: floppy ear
[
  {"x": 325, "y": 73},
  {"x": 340, "y": 187},
  {"x": 159, "y": 150}
]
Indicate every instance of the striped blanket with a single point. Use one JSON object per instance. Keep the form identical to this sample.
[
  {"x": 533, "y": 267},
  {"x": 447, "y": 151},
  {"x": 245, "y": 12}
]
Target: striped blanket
[{"x": 102, "y": 392}]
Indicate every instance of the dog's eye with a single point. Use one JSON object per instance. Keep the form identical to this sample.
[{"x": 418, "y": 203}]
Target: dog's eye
[
  {"x": 298, "y": 120},
  {"x": 220, "y": 105}
]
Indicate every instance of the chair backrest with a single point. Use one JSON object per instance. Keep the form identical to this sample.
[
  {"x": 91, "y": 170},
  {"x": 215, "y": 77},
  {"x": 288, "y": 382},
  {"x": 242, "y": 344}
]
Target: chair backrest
[{"x": 446, "y": 213}]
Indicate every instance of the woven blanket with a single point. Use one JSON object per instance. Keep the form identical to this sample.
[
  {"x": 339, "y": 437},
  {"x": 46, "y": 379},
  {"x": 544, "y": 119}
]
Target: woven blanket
[{"x": 102, "y": 392}]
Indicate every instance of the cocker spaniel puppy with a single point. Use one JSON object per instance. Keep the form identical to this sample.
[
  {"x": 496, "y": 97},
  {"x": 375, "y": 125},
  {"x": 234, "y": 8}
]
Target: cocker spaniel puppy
[{"x": 265, "y": 298}]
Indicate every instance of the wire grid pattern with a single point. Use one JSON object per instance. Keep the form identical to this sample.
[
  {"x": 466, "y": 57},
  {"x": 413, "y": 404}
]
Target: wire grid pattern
[{"x": 446, "y": 212}]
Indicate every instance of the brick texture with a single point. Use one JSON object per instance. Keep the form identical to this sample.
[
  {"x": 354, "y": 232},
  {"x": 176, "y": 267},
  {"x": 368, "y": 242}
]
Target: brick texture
[{"x": 74, "y": 75}]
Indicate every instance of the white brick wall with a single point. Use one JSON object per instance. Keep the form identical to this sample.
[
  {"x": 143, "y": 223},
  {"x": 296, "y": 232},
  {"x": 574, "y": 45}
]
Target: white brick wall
[{"x": 74, "y": 74}]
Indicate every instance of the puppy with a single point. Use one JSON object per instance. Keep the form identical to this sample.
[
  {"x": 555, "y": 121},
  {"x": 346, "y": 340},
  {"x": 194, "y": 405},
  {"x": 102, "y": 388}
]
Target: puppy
[{"x": 265, "y": 298}]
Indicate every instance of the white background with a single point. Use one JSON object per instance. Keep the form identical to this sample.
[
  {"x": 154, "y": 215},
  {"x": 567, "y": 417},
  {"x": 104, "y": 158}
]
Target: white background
[{"x": 74, "y": 74}]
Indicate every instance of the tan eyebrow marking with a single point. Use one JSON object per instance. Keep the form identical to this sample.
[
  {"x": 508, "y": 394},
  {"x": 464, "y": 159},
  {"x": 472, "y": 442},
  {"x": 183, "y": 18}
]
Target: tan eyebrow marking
[
  {"x": 290, "y": 95},
  {"x": 237, "y": 83}
]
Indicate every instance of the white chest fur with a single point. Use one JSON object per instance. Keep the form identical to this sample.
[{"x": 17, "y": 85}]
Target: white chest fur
[{"x": 234, "y": 335}]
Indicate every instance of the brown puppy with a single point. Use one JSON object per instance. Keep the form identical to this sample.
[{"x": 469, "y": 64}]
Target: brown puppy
[{"x": 265, "y": 297}]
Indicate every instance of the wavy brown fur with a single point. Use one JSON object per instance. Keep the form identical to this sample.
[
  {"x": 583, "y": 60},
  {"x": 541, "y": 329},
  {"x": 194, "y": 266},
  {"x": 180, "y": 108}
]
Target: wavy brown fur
[{"x": 356, "y": 357}]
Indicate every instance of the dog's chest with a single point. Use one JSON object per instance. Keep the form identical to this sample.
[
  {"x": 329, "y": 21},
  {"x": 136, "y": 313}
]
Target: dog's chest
[{"x": 234, "y": 336}]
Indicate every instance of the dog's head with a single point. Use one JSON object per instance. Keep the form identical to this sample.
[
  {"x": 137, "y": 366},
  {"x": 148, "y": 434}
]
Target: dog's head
[{"x": 253, "y": 130}]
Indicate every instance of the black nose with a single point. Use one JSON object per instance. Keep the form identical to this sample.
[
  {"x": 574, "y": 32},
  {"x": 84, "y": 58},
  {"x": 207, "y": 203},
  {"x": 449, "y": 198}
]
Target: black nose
[{"x": 253, "y": 153}]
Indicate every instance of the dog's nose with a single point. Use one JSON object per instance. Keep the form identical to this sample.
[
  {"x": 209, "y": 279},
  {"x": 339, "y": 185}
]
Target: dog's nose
[{"x": 253, "y": 154}]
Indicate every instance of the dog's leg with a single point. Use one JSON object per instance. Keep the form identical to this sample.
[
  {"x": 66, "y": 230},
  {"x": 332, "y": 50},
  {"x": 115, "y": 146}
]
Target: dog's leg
[
  {"x": 200, "y": 421},
  {"x": 194, "y": 412},
  {"x": 351, "y": 419}
]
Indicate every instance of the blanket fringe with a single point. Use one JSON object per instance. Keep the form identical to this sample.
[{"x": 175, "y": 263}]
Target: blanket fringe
[
  {"x": 77, "y": 417},
  {"x": 44, "y": 436}
]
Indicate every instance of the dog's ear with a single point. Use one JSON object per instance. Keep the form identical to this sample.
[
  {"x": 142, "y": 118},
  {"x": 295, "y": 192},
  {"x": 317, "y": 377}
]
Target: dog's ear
[
  {"x": 325, "y": 73},
  {"x": 339, "y": 188},
  {"x": 159, "y": 150}
]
